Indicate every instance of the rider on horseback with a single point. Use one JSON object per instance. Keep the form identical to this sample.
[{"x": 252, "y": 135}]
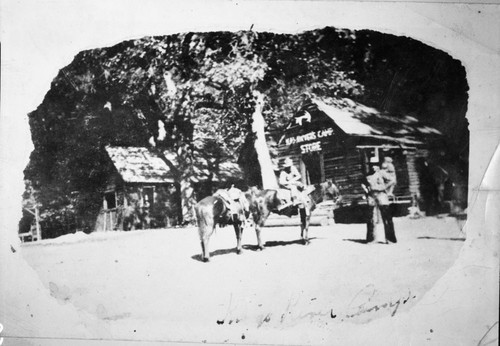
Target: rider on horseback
[{"x": 291, "y": 179}]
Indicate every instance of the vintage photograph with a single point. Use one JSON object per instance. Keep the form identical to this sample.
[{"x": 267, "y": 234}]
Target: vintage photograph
[{"x": 247, "y": 186}]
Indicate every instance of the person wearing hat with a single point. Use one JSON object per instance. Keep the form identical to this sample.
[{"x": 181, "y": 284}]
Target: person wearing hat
[
  {"x": 378, "y": 198},
  {"x": 390, "y": 171},
  {"x": 291, "y": 179}
]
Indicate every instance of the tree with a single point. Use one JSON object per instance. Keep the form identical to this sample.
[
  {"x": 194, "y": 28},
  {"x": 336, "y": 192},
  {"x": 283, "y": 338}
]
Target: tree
[
  {"x": 258, "y": 125},
  {"x": 198, "y": 97}
]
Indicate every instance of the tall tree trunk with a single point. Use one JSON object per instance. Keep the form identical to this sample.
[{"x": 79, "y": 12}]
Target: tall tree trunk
[
  {"x": 183, "y": 183},
  {"x": 266, "y": 166}
]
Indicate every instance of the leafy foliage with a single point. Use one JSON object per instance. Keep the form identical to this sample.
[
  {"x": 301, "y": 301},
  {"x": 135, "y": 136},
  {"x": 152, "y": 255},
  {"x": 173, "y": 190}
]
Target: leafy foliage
[{"x": 191, "y": 94}]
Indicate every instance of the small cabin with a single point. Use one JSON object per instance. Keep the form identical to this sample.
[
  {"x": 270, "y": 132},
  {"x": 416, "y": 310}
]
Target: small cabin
[
  {"x": 337, "y": 142},
  {"x": 140, "y": 191}
]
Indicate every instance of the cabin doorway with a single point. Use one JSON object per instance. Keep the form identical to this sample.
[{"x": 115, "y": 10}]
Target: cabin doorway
[{"x": 313, "y": 168}]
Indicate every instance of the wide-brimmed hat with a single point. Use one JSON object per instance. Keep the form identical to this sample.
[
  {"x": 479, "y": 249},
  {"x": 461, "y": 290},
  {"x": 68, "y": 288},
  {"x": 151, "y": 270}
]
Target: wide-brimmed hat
[{"x": 288, "y": 162}]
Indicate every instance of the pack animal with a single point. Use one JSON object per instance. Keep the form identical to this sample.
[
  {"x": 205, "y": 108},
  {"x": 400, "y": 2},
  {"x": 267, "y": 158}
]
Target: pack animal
[
  {"x": 263, "y": 202},
  {"x": 214, "y": 210}
]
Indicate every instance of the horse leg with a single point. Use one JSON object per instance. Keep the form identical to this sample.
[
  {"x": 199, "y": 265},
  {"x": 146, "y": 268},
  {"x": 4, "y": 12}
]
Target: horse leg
[
  {"x": 203, "y": 258},
  {"x": 260, "y": 247},
  {"x": 238, "y": 229},
  {"x": 204, "y": 246},
  {"x": 305, "y": 219},
  {"x": 259, "y": 221},
  {"x": 205, "y": 237}
]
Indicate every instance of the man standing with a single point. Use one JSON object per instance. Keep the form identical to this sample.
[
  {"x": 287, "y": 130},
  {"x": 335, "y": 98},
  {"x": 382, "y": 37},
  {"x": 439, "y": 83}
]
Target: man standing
[
  {"x": 390, "y": 170},
  {"x": 378, "y": 183}
]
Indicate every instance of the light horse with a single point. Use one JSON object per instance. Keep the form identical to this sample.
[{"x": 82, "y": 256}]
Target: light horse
[
  {"x": 214, "y": 210},
  {"x": 263, "y": 202}
]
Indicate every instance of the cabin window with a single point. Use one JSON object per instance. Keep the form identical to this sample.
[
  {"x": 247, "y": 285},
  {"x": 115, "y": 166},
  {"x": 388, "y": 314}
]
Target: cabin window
[{"x": 110, "y": 200}]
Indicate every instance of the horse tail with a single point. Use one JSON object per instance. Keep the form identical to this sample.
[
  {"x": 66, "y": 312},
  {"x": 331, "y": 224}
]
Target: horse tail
[
  {"x": 200, "y": 215},
  {"x": 203, "y": 227}
]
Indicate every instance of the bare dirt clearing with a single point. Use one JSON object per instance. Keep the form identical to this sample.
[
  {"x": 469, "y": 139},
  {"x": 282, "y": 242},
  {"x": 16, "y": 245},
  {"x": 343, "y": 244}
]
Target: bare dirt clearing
[{"x": 151, "y": 285}]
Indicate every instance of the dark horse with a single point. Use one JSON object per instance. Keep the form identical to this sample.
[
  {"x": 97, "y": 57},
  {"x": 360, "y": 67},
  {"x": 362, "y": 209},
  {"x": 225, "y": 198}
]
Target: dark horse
[
  {"x": 212, "y": 211},
  {"x": 263, "y": 202}
]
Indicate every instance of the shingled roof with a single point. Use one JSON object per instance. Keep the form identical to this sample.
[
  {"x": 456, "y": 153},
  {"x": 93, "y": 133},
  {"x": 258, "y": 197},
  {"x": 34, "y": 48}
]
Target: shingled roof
[
  {"x": 359, "y": 120},
  {"x": 139, "y": 165}
]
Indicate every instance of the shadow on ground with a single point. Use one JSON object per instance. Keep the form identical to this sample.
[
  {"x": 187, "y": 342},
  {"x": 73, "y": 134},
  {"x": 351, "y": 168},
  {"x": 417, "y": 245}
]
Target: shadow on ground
[
  {"x": 437, "y": 238},
  {"x": 252, "y": 248},
  {"x": 277, "y": 243},
  {"x": 359, "y": 241},
  {"x": 215, "y": 253}
]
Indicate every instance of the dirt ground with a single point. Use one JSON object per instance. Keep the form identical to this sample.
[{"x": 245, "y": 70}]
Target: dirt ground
[{"x": 151, "y": 284}]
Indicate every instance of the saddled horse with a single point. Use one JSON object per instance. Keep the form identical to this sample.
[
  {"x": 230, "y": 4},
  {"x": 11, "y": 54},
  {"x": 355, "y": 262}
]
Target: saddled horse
[
  {"x": 263, "y": 202},
  {"x": 212, "y": 211}
]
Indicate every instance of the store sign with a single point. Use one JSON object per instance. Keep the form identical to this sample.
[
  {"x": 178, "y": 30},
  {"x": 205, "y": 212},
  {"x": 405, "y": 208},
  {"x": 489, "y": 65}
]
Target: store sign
[
  {"x": 306, "y": 117},
  {"x": 310, "y": 136},
  {"x": 310, "y": 147}
]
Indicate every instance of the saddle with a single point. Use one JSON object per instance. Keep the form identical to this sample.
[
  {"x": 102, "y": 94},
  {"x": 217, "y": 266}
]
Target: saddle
[{"x": 234, "y": 200}]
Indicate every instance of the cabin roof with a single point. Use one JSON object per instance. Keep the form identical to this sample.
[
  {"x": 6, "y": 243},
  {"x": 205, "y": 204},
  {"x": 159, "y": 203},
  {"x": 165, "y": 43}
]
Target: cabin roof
[
  {"x": 139, "y": 165},
  {"x": 356, "y": 119}
]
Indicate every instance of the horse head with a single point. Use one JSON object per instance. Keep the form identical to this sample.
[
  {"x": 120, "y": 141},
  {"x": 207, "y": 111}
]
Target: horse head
[{"x": 326, "y": 191}]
